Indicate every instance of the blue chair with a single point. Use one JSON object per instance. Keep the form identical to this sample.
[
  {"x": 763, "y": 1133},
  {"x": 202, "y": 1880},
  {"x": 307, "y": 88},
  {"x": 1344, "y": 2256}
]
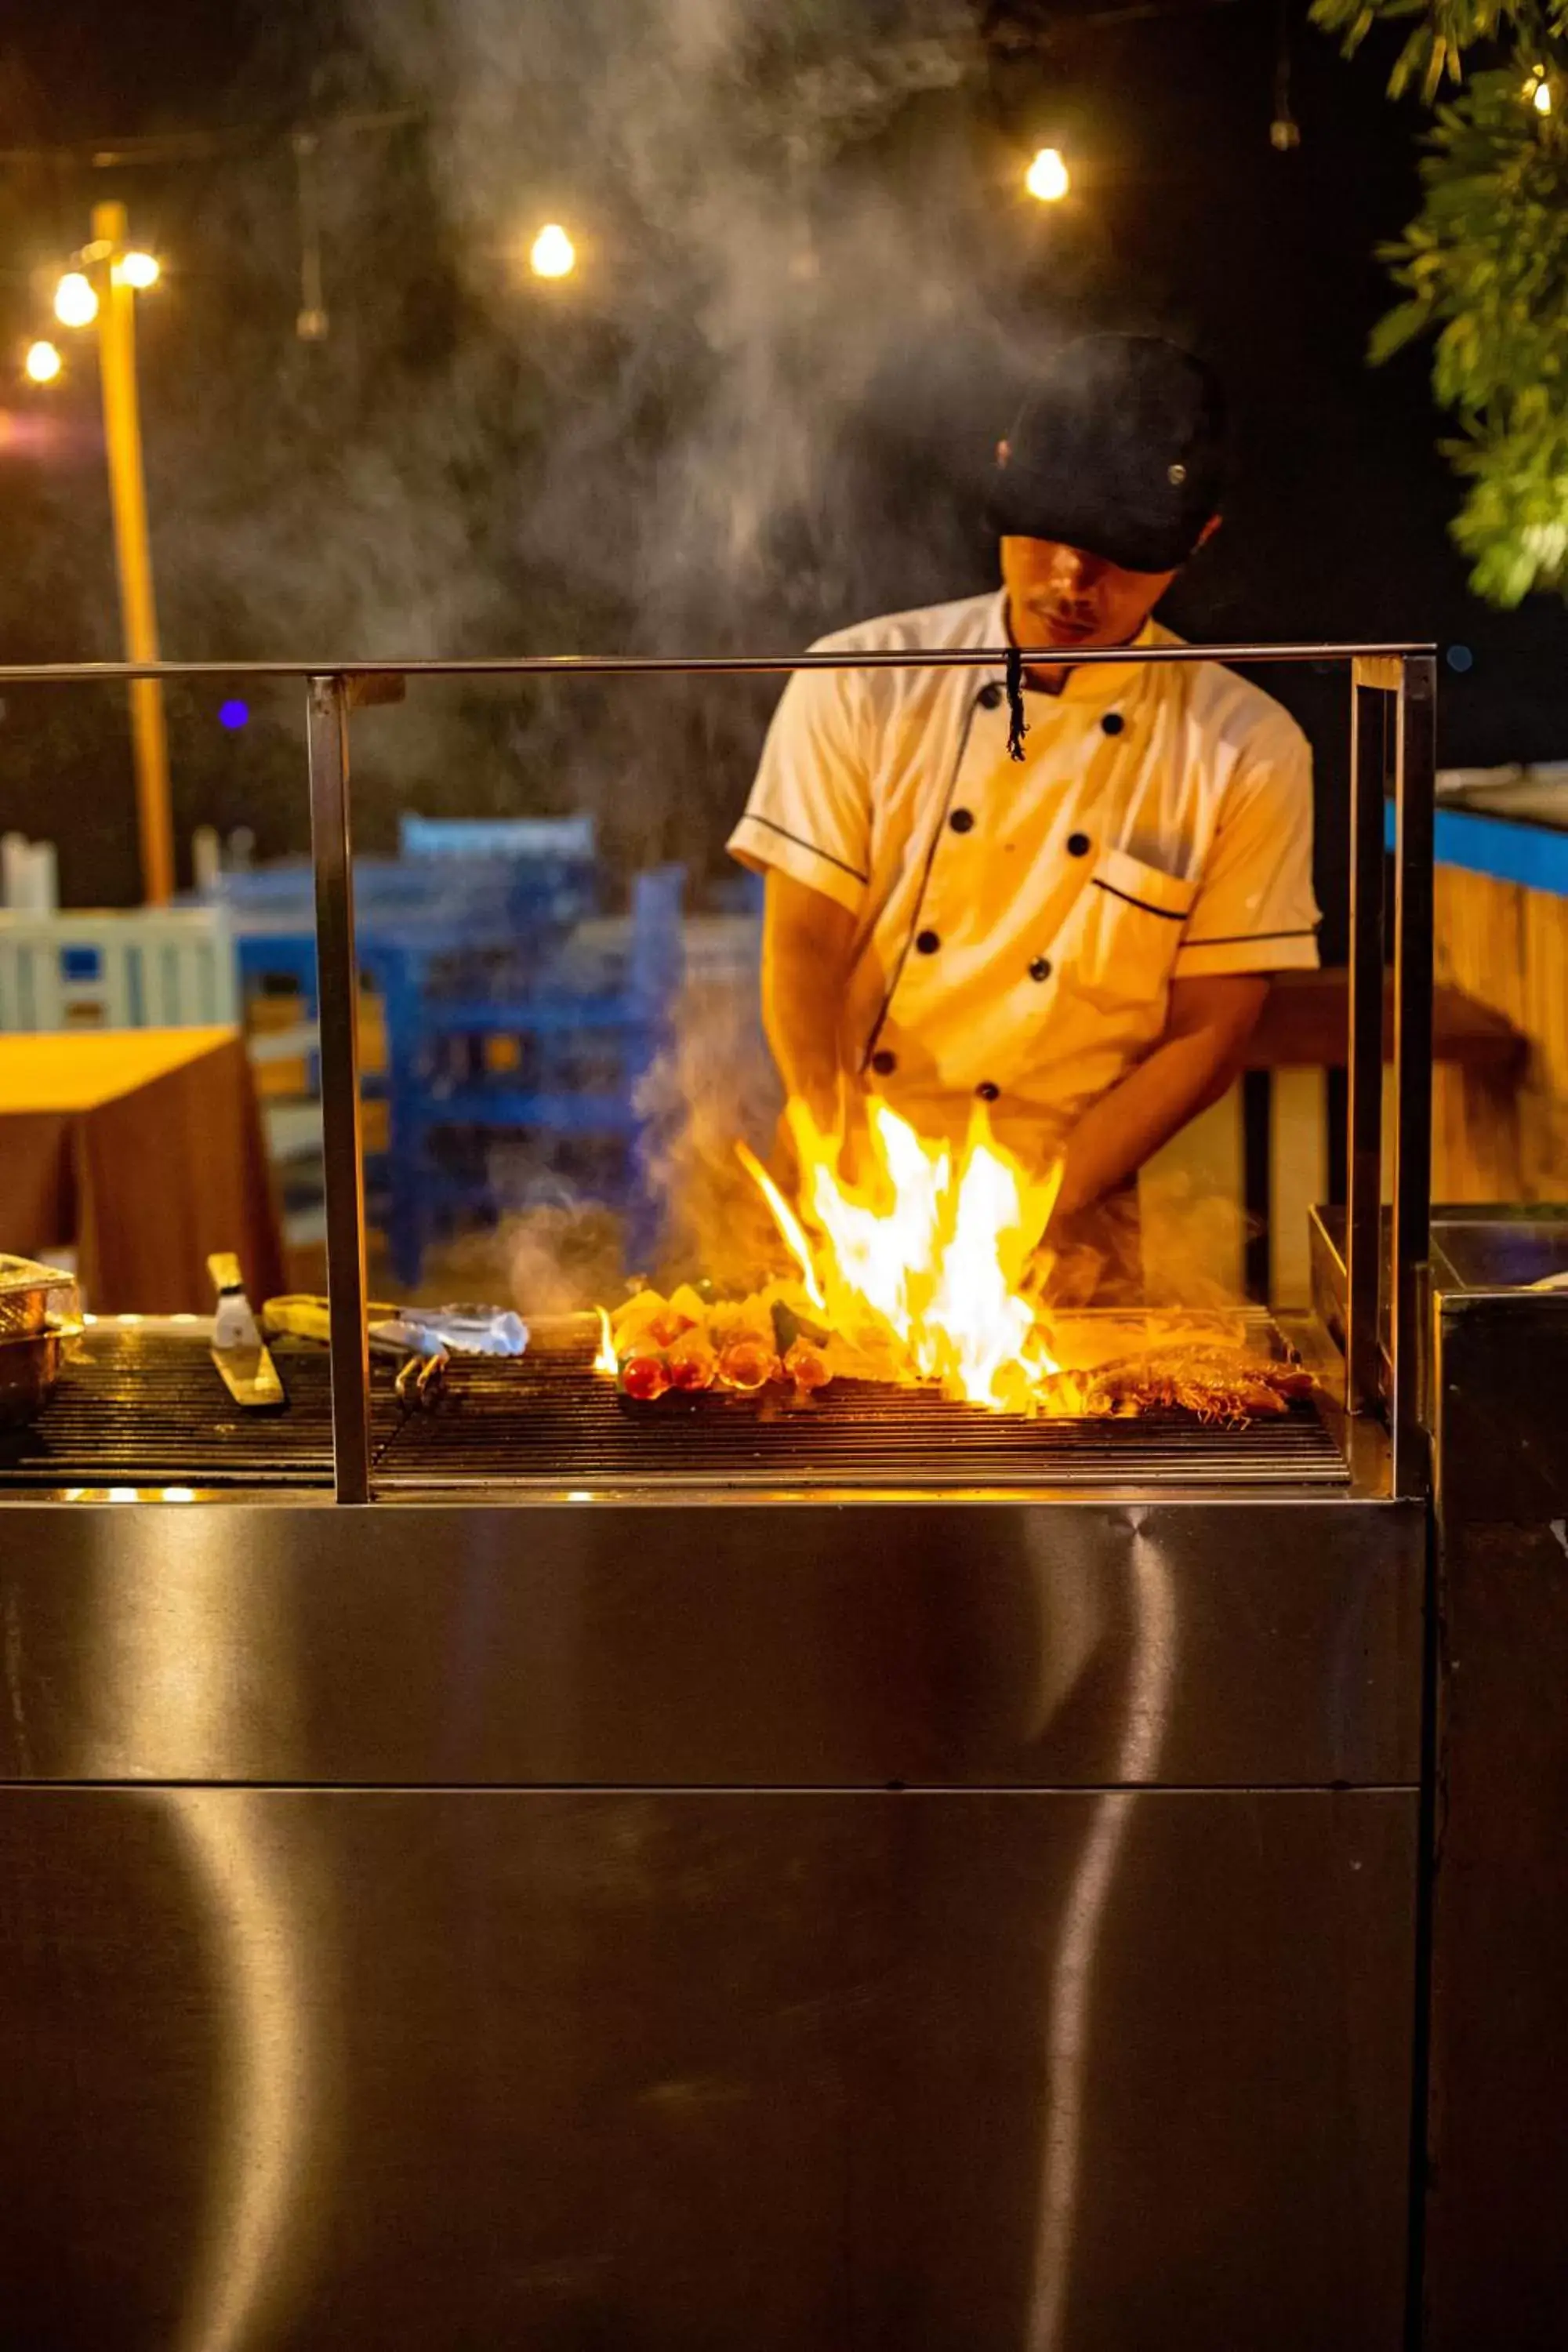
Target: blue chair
[{"x": 586, "y": 1019}]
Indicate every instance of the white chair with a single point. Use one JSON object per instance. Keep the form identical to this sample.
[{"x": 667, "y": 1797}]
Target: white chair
[{"x": 153, "y": 967}]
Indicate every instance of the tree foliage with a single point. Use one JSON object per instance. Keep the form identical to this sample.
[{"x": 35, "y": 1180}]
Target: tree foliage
[{"x": 1483, "y": 268}]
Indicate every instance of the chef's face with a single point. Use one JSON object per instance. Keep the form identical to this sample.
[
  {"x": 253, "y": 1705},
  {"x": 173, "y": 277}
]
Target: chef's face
[{"x": 1064, "y": 596}]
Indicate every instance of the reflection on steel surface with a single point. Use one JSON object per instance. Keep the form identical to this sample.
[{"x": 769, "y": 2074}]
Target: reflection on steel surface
[
  {"x": 175, "y": 1649},
  {"x": 246, "y": 1858},
  {"x": 1151, "y": 1674}
]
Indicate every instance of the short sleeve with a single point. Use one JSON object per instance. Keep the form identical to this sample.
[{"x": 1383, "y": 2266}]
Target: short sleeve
[
  {"x": 809, "y": 815},
  {"x": 1255, "y": 910}
]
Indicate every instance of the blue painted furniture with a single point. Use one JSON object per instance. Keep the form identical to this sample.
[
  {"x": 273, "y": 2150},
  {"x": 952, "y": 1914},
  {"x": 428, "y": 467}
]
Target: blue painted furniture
[
  {"x": 1509, "y": 849},
  {"x": 477, "y": 934},
  {"x": 585, "y": 1025}
]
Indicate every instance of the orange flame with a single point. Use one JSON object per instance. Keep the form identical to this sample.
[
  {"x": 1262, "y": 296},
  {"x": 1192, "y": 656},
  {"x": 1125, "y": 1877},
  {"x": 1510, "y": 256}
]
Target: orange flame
[
  {"x": 924, "y": 1266},
  {"x": 606, "y": 1362},
  {"x": 788, "y": 1223}
]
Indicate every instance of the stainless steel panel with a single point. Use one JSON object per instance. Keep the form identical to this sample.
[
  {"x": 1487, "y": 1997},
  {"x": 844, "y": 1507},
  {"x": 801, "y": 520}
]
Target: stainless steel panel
[
  {"x": 1070, "y": 1643},
  {"x": 1497, "y": 2190},
  {"x": 1496, "y": 2269},
  {"x": 985, "y": 2073},
  {"x": 1500, "y": 1397}
]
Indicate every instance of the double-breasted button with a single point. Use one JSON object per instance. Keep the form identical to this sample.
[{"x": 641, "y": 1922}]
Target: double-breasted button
[
  {"x": 1040, "y": 968},
  {"x": 884, "y": 1062},
  {"x": 986, "y": 1091},
  {"x": 961, "y": 820},
  {"x": 1078, "y": 845},
  {"x": 990, "y": 696},
  {"x": 927, "y": 943},
  {"x": 1113, "y": 722}
]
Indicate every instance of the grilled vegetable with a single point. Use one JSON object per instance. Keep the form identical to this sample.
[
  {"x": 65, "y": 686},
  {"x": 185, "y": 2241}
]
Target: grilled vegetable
[
  {"x": 747, "y": 1364},
  {"x": 693, "y": 1362},
  {"x": 805, "y": 1365},
  {"x": 644, "y": 1376}
]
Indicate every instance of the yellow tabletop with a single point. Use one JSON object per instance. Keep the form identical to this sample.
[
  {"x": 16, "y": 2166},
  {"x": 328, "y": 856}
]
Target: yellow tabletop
[{"x": 78, "y": 1069}]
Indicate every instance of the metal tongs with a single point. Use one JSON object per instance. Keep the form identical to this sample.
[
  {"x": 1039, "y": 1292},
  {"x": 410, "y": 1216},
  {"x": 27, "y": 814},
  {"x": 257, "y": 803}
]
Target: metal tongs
[
  {"x": 423, "y": 1339},
  {"x": 244, "y": 1361}
]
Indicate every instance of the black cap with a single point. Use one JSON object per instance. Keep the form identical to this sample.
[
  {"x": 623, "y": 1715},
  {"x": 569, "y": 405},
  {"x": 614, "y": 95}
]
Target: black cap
[{"x": 1119, "y": 449}]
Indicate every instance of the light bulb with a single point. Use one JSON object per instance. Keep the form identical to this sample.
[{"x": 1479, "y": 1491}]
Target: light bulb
[
  {"x": 1047, "y": 177},
  {"x": 76, "y": 304},
  {"x": 43, "y": 363},
  {"x": 552, "y": 252},
  {"x": 137, "y": 269},
  {"x": 1542, "y": 97}
]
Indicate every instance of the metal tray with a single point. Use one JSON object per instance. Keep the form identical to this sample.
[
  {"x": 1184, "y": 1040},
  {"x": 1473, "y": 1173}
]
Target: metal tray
[
  {"x": 29, "y": 1366},
  {"x": 33, "y": 1295}
]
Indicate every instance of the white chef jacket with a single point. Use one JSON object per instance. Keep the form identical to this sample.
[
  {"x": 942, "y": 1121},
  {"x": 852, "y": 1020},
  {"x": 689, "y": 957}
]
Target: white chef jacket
[{"x": 1019, "y": 924}]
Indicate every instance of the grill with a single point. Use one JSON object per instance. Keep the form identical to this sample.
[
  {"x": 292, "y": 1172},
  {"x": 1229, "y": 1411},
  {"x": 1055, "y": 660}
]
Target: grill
[{"x": 139, "y": 1410}]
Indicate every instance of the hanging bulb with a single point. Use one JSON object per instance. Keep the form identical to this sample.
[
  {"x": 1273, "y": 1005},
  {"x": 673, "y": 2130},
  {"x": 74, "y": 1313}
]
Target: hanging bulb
[
  {"x": 1284, "y": 130},
  {"x": 76, "y": 304},
  {"x": 1047, "y": 177},
  {"x": 552, "y": 252},
  {"x": 43, "y": 363}
]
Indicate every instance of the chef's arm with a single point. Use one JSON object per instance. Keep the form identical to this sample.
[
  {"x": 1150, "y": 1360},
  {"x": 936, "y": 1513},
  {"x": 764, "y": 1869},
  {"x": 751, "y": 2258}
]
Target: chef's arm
[
  {"x": 1198, "y": 1059},
  {"x": 807, "y": 940}
]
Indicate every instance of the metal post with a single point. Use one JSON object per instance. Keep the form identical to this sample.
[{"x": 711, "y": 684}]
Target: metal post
[
  {"x": 1415, "y": 777},
  {"x": 337, "y": 970},
  {"x": 1363, "y": 1172},
  {"x": 128, "y": 498}
]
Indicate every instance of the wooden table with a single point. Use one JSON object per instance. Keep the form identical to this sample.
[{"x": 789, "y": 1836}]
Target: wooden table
[{"x": 143, "y": 1149}]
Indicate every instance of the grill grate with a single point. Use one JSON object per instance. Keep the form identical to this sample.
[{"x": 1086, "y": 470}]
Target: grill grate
[
  {"x": 550, "y": 1420},
  {"x": 140, "y": 1410},
  {"x": 134, "y": 1408}
]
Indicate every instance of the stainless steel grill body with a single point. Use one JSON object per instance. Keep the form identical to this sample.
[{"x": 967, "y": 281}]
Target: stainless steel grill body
[{"x": 912, "y": 1922}]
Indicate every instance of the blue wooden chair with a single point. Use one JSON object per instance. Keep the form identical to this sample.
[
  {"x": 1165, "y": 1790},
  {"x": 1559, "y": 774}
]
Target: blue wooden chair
[{"x": 584, "y": 1019}]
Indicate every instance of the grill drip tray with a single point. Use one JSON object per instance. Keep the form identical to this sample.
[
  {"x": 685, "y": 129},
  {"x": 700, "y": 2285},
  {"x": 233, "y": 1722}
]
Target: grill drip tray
[{"x": 139, "y": 1410}]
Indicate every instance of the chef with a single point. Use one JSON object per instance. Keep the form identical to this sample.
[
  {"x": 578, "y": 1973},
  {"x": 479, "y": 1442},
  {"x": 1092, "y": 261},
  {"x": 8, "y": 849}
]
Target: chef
[{"x": 1064, "y": 902}]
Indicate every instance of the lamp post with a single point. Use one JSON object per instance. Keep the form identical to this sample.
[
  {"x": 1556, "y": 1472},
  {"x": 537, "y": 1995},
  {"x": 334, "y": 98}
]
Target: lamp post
[{"x": 117, "y": 275}]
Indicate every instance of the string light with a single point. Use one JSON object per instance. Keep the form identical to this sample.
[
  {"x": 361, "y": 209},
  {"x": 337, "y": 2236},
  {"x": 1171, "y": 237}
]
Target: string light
[
  {"x": 43, "y": 363},
  {"x": 137, "y": 269},
  {"x": 1538, "y": 91},
  {"x": 1048, "y": 177},
  {"x": 552, "y": 252},
  {"x": 76, "y": 304}
]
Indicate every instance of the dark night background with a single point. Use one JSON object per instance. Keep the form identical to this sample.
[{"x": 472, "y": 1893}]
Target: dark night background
[{"x": 469, "y": 463}]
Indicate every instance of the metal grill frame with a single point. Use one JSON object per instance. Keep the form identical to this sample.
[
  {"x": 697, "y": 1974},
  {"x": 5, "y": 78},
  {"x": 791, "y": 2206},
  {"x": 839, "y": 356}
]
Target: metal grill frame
[{"x": 1393, "y": 712}]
